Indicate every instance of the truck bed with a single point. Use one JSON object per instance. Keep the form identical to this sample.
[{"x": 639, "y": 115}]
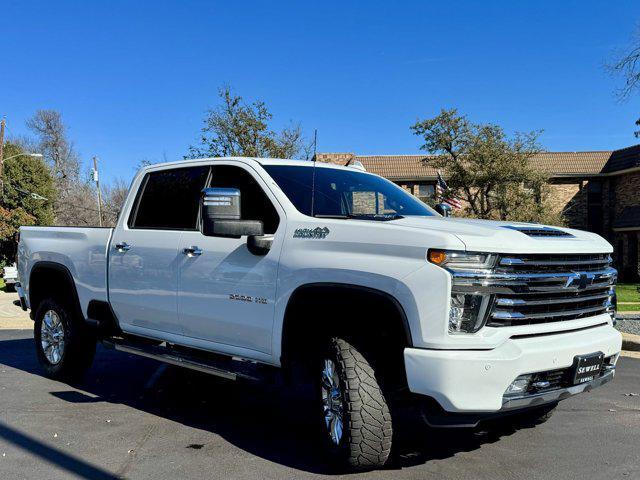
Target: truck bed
[{"x": 81, "y": 250}]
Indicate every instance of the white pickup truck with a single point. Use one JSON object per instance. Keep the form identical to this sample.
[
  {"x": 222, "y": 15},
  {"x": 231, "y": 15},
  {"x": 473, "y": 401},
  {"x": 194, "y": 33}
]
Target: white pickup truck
[{"x": 336, "y": 277}]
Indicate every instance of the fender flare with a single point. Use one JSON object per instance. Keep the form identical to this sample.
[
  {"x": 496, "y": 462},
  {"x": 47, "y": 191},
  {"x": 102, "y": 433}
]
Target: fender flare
[
  {"x": 58, "y": 267},
  {"x": 360, "y": 288}
]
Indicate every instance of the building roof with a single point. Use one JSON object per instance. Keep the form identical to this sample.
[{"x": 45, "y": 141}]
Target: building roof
[
  {"x": 556, "y": 164},
  {"x": 629, "y": 218},
  {"x": 623, "y": 159}
]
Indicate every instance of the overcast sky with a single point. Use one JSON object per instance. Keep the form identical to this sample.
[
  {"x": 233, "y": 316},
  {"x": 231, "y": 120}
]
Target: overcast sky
[{"x": 133, "y": 79}]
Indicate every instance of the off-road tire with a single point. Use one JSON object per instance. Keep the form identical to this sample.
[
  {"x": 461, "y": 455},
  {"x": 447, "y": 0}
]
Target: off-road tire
[
  {"x": 79, "y": 348},
  {"x": 367, "y": 426}
]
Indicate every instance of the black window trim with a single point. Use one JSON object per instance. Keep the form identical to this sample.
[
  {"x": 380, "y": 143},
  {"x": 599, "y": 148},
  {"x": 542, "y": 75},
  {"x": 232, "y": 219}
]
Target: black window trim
[{"x": 133, "y": 212}]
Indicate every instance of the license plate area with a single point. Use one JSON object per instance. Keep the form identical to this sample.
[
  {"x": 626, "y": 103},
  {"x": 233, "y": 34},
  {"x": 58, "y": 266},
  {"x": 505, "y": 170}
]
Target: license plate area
[{"x": 587, "y": 367}]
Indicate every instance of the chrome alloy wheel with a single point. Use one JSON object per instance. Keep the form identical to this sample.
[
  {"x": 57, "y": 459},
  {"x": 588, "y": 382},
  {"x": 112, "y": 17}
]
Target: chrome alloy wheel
[
  {"x": 52, "y": 337},
  {"x": 332, "y": 401}
]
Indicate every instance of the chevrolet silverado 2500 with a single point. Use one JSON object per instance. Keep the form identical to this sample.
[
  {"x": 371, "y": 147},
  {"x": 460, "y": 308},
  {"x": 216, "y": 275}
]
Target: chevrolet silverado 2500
[{"x": 245, "y": 268}]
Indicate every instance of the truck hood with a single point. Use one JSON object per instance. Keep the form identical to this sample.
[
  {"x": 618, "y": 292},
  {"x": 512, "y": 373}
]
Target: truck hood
[{"x": 509, "y": 237}]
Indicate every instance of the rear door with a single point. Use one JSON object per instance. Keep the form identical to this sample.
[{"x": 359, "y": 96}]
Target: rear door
[{"x": 144, "y": 257}]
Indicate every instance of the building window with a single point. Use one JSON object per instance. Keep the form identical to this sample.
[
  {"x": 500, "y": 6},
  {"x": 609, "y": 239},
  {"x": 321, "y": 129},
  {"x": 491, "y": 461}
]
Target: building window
[{"x": 425, "y": 192}]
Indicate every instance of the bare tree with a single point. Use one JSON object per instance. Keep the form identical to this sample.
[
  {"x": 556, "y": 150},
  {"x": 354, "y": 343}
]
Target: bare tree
[
  {"x": 74, "y": 201},
  {"x": 627, "y": 65},
  {"x": 114, "y": 195}
]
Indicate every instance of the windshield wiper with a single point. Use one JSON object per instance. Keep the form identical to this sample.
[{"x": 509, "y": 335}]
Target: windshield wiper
[{"x": 381, "y": 217}]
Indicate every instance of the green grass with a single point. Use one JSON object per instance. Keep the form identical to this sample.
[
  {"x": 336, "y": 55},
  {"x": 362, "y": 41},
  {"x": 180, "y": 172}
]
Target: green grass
[{"x": 628, "y": 297}]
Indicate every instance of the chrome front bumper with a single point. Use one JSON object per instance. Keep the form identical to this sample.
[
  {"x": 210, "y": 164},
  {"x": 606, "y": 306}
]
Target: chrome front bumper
[{"x": 552, "y": 396}]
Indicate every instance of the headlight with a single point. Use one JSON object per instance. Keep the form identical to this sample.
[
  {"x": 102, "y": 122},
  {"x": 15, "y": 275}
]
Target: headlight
[
  {"x": 468, "y": 310},
  {"x": 462, "y": 260}
]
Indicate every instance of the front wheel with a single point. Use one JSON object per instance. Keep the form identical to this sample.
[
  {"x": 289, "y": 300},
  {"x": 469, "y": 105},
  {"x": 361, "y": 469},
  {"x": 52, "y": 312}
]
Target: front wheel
[
  {"x": 64, "y": 344},
  {"x": 357, "y": 427}
]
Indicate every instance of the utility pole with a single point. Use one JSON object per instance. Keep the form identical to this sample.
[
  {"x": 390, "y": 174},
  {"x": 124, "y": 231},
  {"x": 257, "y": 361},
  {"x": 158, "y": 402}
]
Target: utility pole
[
  {"x": 96, "y": 179},
  {"x": 2, "y": 158}
]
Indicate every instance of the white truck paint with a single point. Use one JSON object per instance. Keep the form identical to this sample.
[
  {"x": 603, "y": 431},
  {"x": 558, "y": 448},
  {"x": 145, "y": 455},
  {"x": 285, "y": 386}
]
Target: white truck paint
[{"x": 157, "y": 291}]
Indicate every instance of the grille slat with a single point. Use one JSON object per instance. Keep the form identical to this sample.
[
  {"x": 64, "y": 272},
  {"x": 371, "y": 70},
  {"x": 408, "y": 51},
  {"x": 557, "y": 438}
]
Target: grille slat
[{"x": 510, "y": 302}]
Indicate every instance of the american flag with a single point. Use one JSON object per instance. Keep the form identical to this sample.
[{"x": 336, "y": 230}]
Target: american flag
[{"x": 442, "y": 193}]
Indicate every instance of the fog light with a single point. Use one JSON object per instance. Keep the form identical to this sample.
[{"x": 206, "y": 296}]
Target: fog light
[
  {"x": 467, "y": 313},
  {"x": 519, "y": 386}
]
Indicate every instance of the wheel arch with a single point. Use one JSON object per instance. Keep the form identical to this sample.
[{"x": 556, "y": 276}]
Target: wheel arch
[
  {"x": 51, "y": 278},
  {"x": 320, "y": 297}
]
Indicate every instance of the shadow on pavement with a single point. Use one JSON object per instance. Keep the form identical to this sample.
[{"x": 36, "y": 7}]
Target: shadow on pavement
[
  {"x": 268, "y": 421},
  {"x": 54, "y": 456}
]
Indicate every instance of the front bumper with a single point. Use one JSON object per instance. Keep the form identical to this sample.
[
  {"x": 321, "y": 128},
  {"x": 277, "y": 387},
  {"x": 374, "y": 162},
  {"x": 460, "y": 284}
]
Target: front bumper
[{"x": 465, "y": 381}]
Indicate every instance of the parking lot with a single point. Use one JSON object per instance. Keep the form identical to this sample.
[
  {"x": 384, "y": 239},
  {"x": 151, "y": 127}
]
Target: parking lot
[{"x": 134, "y": 418}]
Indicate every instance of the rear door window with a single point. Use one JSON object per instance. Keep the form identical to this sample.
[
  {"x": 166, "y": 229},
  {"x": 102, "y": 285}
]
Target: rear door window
[{"x": 170, "y": 199}]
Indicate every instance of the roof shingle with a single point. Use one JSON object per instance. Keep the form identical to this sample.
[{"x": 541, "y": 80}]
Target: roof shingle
[
  {"x": 405, "y": 167},
  {"x": 556, "y": 164}
]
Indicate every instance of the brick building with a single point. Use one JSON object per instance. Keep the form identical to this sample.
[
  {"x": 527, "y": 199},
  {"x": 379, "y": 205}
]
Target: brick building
[{"x": 597, "y": 191}]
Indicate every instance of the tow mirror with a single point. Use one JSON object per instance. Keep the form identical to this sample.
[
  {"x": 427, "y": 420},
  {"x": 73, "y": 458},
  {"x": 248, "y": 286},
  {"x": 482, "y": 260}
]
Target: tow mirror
[
  {"x": 443, "y": 209},
  {"x": 221, "y": 215}
]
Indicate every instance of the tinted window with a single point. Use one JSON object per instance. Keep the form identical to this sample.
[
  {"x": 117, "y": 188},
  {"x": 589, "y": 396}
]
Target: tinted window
[
  {"x": 170, "y": 199},
  {"x": 254, "y": 203},
  {"x": 344, "y": 193}
]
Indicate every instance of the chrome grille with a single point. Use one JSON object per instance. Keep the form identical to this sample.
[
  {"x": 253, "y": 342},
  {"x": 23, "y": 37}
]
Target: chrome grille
[
  {"x": 558, "y": 288},
  {"x": 532, "y": 289}
]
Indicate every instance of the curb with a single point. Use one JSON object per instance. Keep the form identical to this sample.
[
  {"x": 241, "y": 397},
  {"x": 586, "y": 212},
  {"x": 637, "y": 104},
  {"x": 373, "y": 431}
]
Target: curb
[{"x": 630, "y": 342}]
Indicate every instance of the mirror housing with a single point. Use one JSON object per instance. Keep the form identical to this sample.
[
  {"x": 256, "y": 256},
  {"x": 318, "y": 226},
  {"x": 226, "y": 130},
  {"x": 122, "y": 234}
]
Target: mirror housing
[
  {"x": 260, "y": 244},
  {"x": 444, "y": 209},
  {"x": 220, "y": 213}
]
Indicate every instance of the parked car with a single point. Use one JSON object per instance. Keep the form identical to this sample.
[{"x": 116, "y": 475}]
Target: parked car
[
  {"x": 249, "y": 268},
  {"x": 10, "y": 276}
]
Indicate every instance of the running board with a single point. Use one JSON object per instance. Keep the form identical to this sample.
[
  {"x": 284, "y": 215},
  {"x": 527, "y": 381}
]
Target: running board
[{"x": 166, "y": 354}]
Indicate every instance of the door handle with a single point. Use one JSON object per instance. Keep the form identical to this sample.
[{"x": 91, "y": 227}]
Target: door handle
[
  {"x": 192, "y": 251},
  {"x": 123, "y": 247}
]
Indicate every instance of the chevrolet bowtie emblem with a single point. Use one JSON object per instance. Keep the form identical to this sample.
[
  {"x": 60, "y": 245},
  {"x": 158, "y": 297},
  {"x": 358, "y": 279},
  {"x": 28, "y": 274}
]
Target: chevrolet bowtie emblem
[{"x": 579, "y": 280}]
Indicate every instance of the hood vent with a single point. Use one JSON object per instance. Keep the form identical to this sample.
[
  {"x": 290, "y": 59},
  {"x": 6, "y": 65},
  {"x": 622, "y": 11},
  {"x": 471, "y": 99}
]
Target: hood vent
[{"x": 540, "y": 231}]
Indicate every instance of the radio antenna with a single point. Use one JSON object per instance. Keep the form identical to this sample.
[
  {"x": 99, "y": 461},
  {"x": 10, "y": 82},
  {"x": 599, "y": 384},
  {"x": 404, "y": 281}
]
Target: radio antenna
[{"x": 313, "y": 175}]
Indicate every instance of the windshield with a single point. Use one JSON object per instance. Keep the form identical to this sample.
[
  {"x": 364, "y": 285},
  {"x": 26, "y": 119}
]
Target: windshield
[{"x": 345, "y": 194}]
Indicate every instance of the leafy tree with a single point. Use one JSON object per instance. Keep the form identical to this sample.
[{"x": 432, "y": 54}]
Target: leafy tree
[
  {"x": 627, "y": 65},
  {"x": 10, "y": 222},
  {"x": 236, "y": 128},
  {"x": 28, "y": 185},
  {"x": 490, "y": 172},
  {"x": 27, "y": 199}
]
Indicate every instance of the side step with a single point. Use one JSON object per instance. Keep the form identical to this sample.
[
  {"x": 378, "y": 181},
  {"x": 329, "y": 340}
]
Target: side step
[{"x": 231, "y": 368}]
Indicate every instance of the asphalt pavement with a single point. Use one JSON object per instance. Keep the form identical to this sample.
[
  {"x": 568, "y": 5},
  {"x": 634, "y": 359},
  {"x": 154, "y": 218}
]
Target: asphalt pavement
[{"x": 134, "y": 418}]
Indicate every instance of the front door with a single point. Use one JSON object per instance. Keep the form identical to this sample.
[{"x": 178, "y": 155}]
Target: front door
[
  {"x": 143, "y": 262},
  {"x": 226, "y": 294}
]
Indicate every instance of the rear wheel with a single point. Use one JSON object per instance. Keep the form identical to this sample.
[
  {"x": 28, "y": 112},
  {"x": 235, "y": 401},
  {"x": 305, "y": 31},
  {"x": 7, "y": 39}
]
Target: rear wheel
[
  {"x": 64, "y": 344},
  {"x": 356, "y": 421}
]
